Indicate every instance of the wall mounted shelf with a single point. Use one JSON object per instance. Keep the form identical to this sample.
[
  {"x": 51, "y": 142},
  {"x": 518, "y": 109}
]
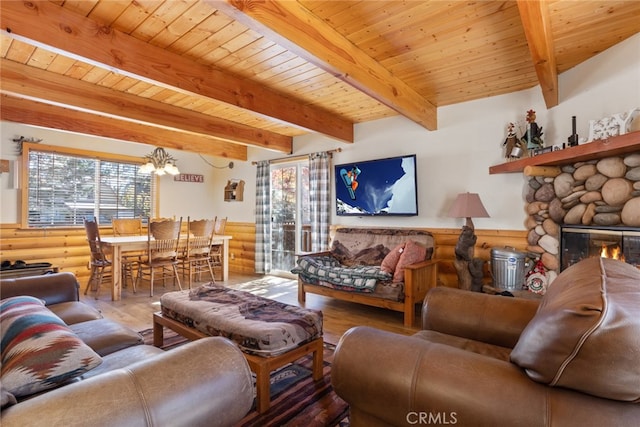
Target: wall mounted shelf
[
  {"x": 614, "y": 146},
  {"x": 234, "y": 191}
]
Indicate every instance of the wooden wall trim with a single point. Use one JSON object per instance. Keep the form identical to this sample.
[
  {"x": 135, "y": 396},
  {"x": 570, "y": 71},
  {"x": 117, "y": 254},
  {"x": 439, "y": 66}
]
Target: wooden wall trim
[
  {"x": 67, "y": 248},
  {"x": 11, "y": 225}
]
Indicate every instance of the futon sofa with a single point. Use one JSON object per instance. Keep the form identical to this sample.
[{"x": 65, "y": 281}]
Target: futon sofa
[
  {"x": 571, "y": 359},
  {"x": 64, "y": 364},
  {"x": 389, "y": 268}
]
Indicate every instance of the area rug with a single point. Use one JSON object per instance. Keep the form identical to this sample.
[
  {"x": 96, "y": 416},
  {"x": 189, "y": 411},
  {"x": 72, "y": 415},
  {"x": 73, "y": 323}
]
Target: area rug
[{"x": 296, "y": 400}]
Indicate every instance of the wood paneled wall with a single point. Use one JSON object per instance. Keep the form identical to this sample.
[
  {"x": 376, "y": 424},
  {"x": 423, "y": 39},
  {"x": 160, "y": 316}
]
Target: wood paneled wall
[
  {"x": 445, "y": 243},
  {"x": 67, "y": 248},
  {"x": 242, "y": 248}
]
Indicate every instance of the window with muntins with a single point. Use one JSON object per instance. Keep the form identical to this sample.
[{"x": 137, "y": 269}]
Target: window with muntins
[{"x": 66, "y": 187}]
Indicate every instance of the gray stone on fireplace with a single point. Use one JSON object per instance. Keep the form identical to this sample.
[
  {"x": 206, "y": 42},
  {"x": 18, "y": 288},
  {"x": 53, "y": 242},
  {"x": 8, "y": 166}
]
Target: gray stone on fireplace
[
  {"x": 632, "y": 160},
  {"x": 608, "y": 209},
  {"x": 563, "y": 184},
  {"x": 633, "y": 174},
  {"x": 606, "y": 219},
  {"x": 595, "y": 182}
]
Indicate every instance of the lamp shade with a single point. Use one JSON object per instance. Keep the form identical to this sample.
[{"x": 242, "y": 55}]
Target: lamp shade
[{"x": 468, "y": 205}]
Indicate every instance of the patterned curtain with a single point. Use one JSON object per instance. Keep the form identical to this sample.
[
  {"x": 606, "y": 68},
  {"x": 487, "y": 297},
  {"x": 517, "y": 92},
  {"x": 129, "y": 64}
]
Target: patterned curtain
[
  {"x": 263, "y": 218},
  {"x": 320, "y": 203}
]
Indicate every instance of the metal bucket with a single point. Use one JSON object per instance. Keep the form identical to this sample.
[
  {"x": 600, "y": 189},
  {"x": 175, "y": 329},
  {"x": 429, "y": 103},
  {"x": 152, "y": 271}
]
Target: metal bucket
[{"x": 508, "y": 268}]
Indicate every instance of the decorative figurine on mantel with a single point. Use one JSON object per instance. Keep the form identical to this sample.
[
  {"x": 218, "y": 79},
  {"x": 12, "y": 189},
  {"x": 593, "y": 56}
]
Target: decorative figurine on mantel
[
  {"x": 533, "y": 136},
  {"x": 512, "y": 146},
  {"x": 573, "y": 139}
]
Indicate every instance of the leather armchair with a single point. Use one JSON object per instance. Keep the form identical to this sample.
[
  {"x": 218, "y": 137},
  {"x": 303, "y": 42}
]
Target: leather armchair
[{"x": 475, "y": 362}]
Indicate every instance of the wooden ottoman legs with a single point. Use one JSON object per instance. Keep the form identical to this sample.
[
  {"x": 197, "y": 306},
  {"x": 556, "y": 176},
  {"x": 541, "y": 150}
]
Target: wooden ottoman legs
[{"x": 261, "y": 366}]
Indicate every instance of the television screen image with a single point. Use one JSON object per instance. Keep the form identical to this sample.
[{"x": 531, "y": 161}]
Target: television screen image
[{"x": 377, "y": 187}]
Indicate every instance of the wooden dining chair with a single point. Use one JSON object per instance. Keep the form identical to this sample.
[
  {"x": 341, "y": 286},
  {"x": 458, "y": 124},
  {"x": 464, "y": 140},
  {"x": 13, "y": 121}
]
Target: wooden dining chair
[
  {"x": 216, "y": 249},
  {"x": 161, "y": 259},
  {"x": 130, "y": 261},
  {"x": 161, "y": 218},
  {"x": 127, "y": 226},
  {"x": 99, "y": 264},
  {"x": 197, "y": 256}
]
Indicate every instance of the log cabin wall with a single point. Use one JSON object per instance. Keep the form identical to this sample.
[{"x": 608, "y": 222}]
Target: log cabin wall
[
  {"x": 67, "y": 248},
  {"x": 445, "y": 243},
  {"x": 242, "y": 248}
]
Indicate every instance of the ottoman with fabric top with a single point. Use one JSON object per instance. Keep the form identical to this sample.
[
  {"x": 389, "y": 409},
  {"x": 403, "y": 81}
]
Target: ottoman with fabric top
[{"x": 271, "y": 334}]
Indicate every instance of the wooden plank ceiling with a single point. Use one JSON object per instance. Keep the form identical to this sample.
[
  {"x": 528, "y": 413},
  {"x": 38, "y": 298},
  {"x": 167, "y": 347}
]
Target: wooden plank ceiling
[{"x": 215, "y": 77}]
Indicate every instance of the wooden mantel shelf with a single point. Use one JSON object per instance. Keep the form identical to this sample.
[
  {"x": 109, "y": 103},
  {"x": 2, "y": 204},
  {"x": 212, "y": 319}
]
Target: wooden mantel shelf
[{"x": 614, "y": 146}]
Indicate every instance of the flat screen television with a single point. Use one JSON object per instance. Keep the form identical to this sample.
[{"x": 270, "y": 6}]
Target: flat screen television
[{"x": 377, "y": 187}]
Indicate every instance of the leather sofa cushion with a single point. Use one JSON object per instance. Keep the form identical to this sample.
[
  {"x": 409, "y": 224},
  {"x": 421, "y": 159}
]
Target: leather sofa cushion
[
  {"x": 74, "y": 312},
  {"x": 585, "y": 335},
  {"x": 105, "y": 336}
]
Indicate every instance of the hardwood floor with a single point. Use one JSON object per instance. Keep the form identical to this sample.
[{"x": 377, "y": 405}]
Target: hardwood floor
[{"x": 135, "y": 310}]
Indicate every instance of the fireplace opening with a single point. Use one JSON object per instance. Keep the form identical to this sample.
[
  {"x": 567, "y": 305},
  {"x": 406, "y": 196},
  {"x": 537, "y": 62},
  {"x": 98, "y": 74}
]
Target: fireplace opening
[{"x": 580, "y": 242}]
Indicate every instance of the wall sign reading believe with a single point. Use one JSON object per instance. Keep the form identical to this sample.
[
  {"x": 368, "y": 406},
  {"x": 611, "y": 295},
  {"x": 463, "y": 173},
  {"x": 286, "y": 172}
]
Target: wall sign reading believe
[{"x": 189, "y": 177}]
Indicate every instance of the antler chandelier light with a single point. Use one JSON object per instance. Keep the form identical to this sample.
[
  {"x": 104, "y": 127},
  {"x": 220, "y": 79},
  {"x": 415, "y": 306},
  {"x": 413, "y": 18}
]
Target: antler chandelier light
[{"x": 160, "y": 163}]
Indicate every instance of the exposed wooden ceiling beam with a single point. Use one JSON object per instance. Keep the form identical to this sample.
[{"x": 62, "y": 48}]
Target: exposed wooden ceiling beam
[
  {"x": 537, "y": 28},
  {"x": 290, "y": 24},
  {"x": 50, "y": 116},
  {"x": 29, "y": 82},
  {"x": 54, "y": 28}
]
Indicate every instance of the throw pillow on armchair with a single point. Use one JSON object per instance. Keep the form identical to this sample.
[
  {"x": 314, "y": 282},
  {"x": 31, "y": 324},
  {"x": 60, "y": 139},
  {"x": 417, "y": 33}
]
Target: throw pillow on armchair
[{"x": 584, "y": 335}]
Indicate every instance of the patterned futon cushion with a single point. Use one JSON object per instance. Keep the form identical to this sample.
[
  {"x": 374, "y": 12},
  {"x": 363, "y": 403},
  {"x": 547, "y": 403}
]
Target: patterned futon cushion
[
  {"x": 328, "y": 269},
  {"x": 38, "y": 350}
]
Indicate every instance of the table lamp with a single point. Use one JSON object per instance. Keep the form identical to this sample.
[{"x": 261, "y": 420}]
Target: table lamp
[{"x": 468, "y": 205}]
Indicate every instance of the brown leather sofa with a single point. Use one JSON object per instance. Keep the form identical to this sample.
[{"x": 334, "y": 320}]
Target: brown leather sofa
[
  {"x": 572, "y": 359},
  {"x": 205, "y": 382}
]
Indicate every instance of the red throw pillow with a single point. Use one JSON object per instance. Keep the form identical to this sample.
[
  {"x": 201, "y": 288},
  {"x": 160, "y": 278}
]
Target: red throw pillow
[
  {"x": 413, "y": 253},
  {"x": 390, "y": 262}
]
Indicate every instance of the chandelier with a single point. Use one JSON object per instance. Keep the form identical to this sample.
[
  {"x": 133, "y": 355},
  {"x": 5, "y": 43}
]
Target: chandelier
[{"x": 160, "y": 163}]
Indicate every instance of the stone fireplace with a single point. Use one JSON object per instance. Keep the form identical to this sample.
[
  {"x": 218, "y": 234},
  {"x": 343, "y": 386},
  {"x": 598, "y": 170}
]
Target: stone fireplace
[
  {"x": 595, "y": 196},
  {"x": 580, "y": 242}
]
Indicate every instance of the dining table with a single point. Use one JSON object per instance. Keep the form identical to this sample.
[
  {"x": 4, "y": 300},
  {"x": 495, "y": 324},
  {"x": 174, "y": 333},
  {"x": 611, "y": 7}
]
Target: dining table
[{"x": 121, "y": 244}]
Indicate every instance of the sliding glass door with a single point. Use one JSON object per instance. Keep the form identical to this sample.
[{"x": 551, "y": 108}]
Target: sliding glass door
[{"x": 290, "y": 219}]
